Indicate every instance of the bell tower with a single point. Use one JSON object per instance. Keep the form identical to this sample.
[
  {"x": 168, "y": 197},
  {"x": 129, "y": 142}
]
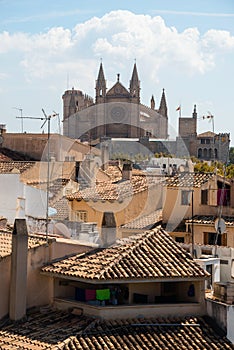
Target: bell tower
[
  {"x": 135, "y": 86},
  {"x": 100, "y": 86}
]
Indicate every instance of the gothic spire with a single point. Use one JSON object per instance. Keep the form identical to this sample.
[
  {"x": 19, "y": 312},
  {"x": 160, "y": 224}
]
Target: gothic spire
[
  {"x": 152, "y": 102},
  {"x": 163, "y": 105},
  {"x": 100, "y": 83},
  {"x": 101, "y": 78},
  {"x": 135, "y": 84},
  {"x": 195, "y": 111}
]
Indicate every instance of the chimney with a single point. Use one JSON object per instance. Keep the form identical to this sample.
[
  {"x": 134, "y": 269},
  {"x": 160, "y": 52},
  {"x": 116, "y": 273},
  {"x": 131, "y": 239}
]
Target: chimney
[
  {"x": 2, "y": 129},
  {"x": 20, "y": 209},
  {"x": 108, "y": 230},
  {"x": 105, "y": 152},
  {"x": 18, "y": 283},
  {"x": 127, "y": 171}
]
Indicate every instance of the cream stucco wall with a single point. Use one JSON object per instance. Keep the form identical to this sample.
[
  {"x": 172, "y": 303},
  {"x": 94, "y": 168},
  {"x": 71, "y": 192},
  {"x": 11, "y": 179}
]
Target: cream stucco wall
[
  {"x": 125, "y": 211},
  {"x": 40, "y": 288},
  {"x": 133, "y": 311}
]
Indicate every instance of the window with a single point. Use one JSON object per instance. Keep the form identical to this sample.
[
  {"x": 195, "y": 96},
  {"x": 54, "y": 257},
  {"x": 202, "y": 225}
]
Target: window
[
  {"x": 211, "y": 238},
  {"x": 185, "y": 197},
  {"x": 232, "y": 268},
  {"x": 204, "y": 197},
  {"x": 179, "y": 239},
  {"x": 199, "y": 153},
  {"x": 210, "y": 153},
  {"x": 80, "y": 215}
]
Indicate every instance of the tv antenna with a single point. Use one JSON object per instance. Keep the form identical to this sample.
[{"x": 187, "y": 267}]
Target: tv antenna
[
  {"x": 46, "y": 119},
  {"x": 21, "y": 117}
]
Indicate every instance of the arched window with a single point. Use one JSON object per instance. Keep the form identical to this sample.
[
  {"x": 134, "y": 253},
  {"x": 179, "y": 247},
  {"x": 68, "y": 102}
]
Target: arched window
[
  {"x": 210, "y": 153},
  {"x": 205, "y": 153},
  {"x": 216, "y": 153},
  {"x": 199, "y": 154}
]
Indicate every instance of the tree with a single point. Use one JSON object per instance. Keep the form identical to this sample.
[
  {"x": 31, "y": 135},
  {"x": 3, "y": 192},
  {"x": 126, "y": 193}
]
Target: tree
[{"x": 231, "y": 155}]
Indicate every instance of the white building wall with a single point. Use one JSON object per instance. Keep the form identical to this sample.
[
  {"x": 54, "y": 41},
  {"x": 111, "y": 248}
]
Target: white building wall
[
  {"x": 35, "y": 202},
  {"x": 10, "y": 189},
  {"x": 20, "y": 200}
]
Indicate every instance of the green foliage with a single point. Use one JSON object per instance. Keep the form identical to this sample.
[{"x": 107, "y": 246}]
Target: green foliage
[
  {"x": 231, "y": 155},
  {"x": 203, "y": 167},
  {"x": 217, "y": 167},
  {"x": 230, "y": 171},
  {"x": 162, "y": 154}
]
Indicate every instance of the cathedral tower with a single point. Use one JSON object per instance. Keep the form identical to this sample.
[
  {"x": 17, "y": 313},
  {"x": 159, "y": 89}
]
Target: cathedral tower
[
  {"x": 135, "y": 86},
  {"x": 100, "y": 86},
  {"x": 163, "y": 105}
]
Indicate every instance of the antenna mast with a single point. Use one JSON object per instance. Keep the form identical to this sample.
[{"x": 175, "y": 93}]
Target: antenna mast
[{"x": 46, "y": 118}]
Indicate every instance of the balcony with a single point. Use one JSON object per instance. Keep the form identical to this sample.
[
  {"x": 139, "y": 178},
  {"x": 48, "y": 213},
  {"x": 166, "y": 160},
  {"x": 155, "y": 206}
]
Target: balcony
[{"x": 131, "y": 310}]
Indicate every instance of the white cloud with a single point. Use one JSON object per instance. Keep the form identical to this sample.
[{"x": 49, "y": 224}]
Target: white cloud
[
  {"x": 218, "y": 40},
  {"x": 117, "y": 36}
]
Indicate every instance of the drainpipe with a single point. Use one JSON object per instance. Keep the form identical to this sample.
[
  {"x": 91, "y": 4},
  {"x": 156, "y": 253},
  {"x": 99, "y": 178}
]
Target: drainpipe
[{"x": 18, "y": 282}]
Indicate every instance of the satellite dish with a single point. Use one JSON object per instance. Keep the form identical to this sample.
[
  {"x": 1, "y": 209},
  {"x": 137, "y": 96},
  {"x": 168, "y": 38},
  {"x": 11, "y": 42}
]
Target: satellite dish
[
  {"x": 220, "y": 225},
  {"x": 62, "y": 230},
  {"x": 52, "y": 211}
]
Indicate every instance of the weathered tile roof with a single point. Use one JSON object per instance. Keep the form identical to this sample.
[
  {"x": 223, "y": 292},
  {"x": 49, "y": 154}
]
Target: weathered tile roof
[
  {"x": 58, "y": 330},
  {"x": 187, "y": 179},
  {"x": 7, "y": 167},
  {"x": 113, "y": 191},
  {"x": 62, "y": 209},
  {"x": 114, "y": 172},
  {"x": 6, "y": 242},
  {"x": 48, "y": 330},
  {"x": 159, "y": 334},
  {"x": 151, "y": 255},
  {"x": 10, "y": 155},
  {"x": 206, "y": 134},
  {"x": 145, "y": 221},
  {"x": 210, "y": 219}
]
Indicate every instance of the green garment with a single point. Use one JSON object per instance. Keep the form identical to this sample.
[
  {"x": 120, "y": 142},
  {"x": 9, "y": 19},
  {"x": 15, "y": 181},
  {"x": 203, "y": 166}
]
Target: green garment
[{"x": 103, "y": 294}]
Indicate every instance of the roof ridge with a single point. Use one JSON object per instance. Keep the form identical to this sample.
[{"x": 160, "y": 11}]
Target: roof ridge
[{"x": 134, "y": 241}]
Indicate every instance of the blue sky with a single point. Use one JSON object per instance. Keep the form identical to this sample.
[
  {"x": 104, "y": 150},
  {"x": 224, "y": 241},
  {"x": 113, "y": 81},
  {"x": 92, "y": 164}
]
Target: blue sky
[{"x": 185, "y": 47}]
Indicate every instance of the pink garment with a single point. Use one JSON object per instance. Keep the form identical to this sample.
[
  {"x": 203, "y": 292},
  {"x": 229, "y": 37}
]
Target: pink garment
[{"x": 90, "y": 294}]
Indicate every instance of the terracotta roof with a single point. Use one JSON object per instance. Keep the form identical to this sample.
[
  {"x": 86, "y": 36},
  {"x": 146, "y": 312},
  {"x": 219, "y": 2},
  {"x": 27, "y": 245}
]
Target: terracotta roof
[
  {"x": 145, "y": 221},
  {"x": 113, "y": 191},
  {"x": 7, "y": 167},
  {"x": 206, "y": 134},
  {"x": 187, "y": 179},
  {"x": 62, "y": 209},
  {"x": 49, "y": 329},
  {"x": 159, "y": 334},
  {"x": 114, "y": 172},
  {"x": 6, "y": 242},
  {"x": 151, "y": 255},
  {"x": 12, "y": 155},
  {"x": 58, "y": 330},
  {"x": 210, "y": 219}
]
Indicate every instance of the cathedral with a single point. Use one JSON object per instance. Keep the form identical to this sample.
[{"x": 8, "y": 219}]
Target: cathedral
[{"x": 115, "y": 113}]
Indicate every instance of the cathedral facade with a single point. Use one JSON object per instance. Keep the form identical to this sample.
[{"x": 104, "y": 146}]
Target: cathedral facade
[{"x": 115, "y": 113}]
